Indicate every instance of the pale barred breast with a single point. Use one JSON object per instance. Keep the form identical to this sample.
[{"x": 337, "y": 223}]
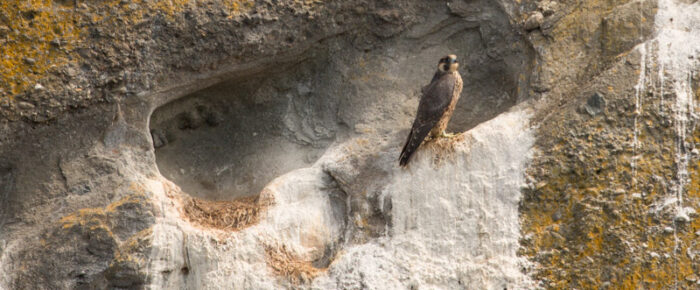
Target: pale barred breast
[
  {"x": 445, "y": 119},
  {"x": 458, "y": 88},
  {"x": 457, "y": 91}
]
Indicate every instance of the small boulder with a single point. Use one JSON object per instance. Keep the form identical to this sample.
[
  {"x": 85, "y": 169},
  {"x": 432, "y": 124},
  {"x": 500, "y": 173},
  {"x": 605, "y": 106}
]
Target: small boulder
[
  {"x": 534, "y": 21},
  {"x": 595, "y": 104},
  {"x": 547, "y": 7},
  {"x": 25, "y": 105},
  {"x": 159, "y": 138},
  {"x": 29, "y": 60}
]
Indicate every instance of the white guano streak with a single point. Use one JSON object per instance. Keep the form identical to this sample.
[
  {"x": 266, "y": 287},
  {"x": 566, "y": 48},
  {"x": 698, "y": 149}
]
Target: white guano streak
[
  {"x": 678, "y": 39},
  {"x": 639, "y": 90}
]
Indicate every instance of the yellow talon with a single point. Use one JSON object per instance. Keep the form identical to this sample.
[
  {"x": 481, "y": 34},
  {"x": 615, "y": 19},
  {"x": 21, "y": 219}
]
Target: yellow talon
[{"x": 447, "y": 135}]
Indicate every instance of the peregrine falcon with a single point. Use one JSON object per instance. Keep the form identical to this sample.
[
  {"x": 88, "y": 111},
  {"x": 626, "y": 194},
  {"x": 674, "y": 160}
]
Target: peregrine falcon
[{"x": 435, "y": 107}]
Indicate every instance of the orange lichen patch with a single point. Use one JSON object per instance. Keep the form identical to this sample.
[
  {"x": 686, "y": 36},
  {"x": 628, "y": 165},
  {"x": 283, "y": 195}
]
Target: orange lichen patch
[
  {"x": 134, "y": 12},
  {"x": 125, "y": 252},
  {"x": 35, "y": 35},
  {"x": 225, "y": 215},
  {"x": 236, "y": 6},
  {"x": 95, "y": 218},
  {"x": 599, "y": 223},
  {"x": 286, "y": 264},
  {"x": 136, "y": 198},
  {"x": 136, "y": 240},
  {"x": 170, "y": 7},
  {"x": 600, "y": 209}
]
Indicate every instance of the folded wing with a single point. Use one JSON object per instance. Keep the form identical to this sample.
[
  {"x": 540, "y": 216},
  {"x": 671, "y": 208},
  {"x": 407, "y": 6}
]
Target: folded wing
[{"x": 433, "y": 104}]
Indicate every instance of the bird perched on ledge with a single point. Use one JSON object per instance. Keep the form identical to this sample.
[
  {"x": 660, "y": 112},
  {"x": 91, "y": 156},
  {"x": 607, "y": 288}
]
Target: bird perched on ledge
[{"x": 435, "y": 107}]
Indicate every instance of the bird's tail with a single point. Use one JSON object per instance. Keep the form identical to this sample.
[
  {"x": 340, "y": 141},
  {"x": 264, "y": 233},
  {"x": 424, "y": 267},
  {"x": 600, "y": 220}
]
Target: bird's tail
[{"x": 409, "y": 148}]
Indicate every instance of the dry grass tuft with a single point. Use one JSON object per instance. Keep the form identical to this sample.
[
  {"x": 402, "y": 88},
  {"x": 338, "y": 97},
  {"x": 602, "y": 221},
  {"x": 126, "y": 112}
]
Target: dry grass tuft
[
  {"x": 225, "y": 215},
  {"x": 443, "y": 148},
  {"x": 286, "y": 264}
]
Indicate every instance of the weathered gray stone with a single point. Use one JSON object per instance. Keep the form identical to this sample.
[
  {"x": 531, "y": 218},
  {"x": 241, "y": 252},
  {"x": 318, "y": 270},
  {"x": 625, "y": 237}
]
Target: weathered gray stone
[
  {"x": 159, "y": 138},
  {"x": 533, "y": 21},
  {"x": 25, "y": 105},
  {"x": 595, "y": 104}
]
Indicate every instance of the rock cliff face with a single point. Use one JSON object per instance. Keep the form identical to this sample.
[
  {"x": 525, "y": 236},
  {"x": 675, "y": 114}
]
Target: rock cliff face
[{"x": 253, "y": 145}]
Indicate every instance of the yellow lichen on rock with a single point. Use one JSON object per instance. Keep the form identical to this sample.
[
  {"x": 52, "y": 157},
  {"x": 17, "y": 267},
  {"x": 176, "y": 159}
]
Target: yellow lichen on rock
[
  {"x": 91, "y": 219},
  {"x": 98, "y": 217},
  {"x": 237, "y": 6},
  {"x": 35, "y": 36},
  {"x": 128, "y": 252},
  {"x": 603, "y": 206},
  {"x": 39, "y": 36}
]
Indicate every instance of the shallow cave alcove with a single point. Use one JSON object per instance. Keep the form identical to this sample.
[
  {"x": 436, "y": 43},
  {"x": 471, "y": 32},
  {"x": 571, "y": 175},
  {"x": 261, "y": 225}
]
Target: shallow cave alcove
[{"x": 229, "y": 140}]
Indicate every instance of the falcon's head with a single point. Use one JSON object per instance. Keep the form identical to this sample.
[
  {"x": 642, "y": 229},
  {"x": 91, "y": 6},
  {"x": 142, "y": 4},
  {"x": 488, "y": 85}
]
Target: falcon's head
[{"x": 448, "y": 63}]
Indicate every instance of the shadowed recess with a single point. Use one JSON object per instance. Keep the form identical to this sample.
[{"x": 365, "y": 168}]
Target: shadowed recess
[{"x": 230, "y": 140}]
